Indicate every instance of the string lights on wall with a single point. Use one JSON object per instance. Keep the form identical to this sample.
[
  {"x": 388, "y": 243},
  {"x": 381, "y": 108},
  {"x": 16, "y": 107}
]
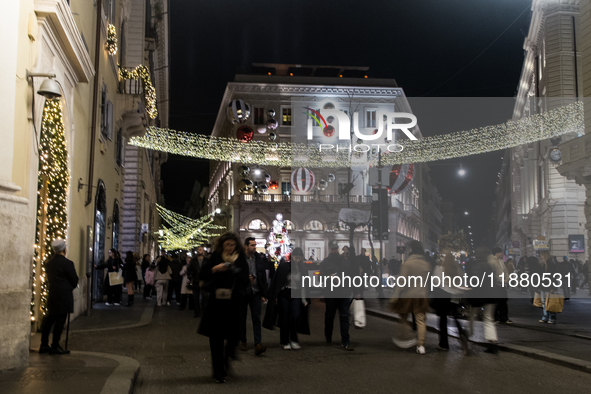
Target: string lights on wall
[
  {"x": 142, "y": 72},
  {"x": 52, "y": 191},
  {"x": 112, "y": 40}
]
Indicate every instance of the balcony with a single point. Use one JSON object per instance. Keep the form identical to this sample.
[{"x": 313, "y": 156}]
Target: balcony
[
  {"x": 302, "y": 198},
  {"x": 411, "y": 209},
  {"x": 576, "y": 162}
]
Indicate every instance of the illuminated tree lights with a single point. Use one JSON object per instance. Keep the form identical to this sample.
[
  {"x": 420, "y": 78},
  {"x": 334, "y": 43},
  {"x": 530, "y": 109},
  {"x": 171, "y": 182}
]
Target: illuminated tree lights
[
  {"x": 184, "y": 233},
  {"x": 142, "y": 72},
  {"x": 563, "y": 120},
  {"x": 52, "y": 191},
  {"x": 111, "y": 40}
]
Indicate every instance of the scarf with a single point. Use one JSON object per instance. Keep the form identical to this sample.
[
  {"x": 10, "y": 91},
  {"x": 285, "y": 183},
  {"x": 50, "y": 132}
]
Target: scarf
[{"x": 226, "y": 258}]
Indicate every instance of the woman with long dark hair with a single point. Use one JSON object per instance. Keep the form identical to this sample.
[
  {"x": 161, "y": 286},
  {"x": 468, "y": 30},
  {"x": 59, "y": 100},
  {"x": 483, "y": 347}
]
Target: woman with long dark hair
[
  {"x": 129, "y": 275},
  {"x": 225, "y": 277},
  {"x": 290, "y": 312},
  {"x": 161, "y": 278}
]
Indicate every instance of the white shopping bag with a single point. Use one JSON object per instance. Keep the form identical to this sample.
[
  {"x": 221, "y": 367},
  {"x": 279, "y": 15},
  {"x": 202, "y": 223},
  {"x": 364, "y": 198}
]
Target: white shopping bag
[{"x": 358, "y": 313}]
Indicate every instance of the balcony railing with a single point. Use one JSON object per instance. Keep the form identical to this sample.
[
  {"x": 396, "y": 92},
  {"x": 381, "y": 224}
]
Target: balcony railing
[
  {"x": 331, "y": 199},
  {"x": 413, "y": 210}
]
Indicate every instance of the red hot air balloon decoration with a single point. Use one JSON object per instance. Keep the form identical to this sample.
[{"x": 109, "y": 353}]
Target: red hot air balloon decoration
[
  {"x": 400, "y": 177},
  {"x": 244, "y": 133}
]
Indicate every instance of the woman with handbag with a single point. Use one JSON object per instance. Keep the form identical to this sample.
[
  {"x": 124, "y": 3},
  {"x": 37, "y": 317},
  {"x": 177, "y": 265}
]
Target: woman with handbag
[
  {"x": 113, "y": 264},
  {"x": 225, "y": 276}
]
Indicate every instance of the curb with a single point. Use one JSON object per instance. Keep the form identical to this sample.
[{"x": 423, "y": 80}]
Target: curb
[
  {"x": 144, "y": 321},
  {"x": 123, "y": 378},
  {"x": 568, "y": 362}
]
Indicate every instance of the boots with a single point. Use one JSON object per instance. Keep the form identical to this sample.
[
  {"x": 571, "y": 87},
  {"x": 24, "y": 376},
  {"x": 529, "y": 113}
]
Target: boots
[
  {"x": 130, "y": 299},
  {"x": 492, "y": 348}
]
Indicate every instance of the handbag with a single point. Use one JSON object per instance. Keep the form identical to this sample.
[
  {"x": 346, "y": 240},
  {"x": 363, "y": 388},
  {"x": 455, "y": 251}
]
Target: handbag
[
  {"x": 223, "y": 294},
  {"x": 115, "y": 278},
  {"x": 359, "y": 313},
  {"x": 554, "y": 303},
  {"x": 537, "y": 300}
]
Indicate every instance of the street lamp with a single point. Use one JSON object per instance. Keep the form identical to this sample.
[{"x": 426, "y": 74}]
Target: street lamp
[
  {"x": 218, "y": 211},
  {"x": 461, "y": 172},
  {"x": 466, "y": 213}
]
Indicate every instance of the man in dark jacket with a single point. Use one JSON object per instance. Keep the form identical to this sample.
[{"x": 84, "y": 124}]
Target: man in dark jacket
[
  {"x": 176, "y": 279},
  {"x": 61, "y": 279},
  {"x": 256, "y": 293},
  {"x": 340, "y": 298},
  {"x": 199, "y": 294}
]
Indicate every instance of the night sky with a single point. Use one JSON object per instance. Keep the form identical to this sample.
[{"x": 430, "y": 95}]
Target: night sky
[{"x": 433, "y": 48}]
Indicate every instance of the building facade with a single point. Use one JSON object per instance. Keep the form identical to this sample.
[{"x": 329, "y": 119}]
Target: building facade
[
  {"x": 545, "y": 206},
  {"x": 80, "y": 45},
  {"x": 313, "y": 216}
]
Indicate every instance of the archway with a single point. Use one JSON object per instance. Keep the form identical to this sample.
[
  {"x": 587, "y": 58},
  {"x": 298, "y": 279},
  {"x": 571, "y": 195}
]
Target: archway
[{"x": 100, "y": 214}]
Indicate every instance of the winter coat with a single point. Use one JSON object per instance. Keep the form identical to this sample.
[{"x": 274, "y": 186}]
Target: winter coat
[
  {"x": 129, "y": 271},
  {"x": 261, "y": 274},
  {"x": 61, "y": 280},
  {"x": 411, "y": 298},
  {"x": 272, "y": 311},
  {"x": 485, "y": 293},
  {"x": 221, "y": 317},
  {"x": 176, "y": 267},
  {"x": 162, "y": 276},
  {"x": 112, "y": 265},
  {"x": 185, "y": 283}
]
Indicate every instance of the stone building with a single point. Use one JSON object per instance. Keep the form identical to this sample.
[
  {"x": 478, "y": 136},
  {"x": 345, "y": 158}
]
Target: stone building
[
  {"x": 313, "y": 216},
  {"x": 75, "y": 48}
]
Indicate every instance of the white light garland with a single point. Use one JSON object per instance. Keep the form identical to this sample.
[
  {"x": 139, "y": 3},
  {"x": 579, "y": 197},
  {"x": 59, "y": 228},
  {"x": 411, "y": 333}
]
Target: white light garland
[{"x": 184, "y": 233}]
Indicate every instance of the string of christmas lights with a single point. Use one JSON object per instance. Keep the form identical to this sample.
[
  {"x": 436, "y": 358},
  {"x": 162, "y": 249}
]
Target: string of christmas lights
[
  {"x": 112, "y": 40},
  {"x": 184, "y": 233},
  {"x": 563, "y": 120},
  {"x": 142, "y": 72},
  {"x": 52, "y": 191}
]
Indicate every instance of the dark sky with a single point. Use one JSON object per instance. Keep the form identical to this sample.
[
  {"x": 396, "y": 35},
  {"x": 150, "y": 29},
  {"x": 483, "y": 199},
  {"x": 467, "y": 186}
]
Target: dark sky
[{"x": 420, "y": 43}]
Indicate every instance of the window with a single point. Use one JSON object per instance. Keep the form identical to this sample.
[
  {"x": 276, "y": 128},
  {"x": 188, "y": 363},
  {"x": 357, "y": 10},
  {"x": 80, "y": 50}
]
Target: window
[
  {"x": 286, "y": 116},
  {"x": 106, "y": 115},
  {"x": 259, "y": 115},
  {"x": 314, "y": 123},
  {"x": 314, "y": 225},
  {"x": 370, "y": 118},
  {"x": 328, "y": 106},
  {"x": 286, "y": 188},
  {"x": 119, "y": 149},
  {"x": 289, "y": 225},
  {"x": 257, "y": 224}
]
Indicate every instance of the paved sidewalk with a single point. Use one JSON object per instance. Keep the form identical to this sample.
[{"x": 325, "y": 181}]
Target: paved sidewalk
[
  {"x": 94, "y": 373},
  {"x": 567, "y": 343}
]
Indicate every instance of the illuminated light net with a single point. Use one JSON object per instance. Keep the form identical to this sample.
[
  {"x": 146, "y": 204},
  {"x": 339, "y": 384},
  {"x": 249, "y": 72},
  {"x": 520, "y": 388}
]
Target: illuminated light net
[
  {"x": 184, "y": 233},
  {"x": 562, "y": 120}
]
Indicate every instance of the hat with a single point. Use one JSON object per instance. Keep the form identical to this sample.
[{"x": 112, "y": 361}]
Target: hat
[
  {"x": 58, "y": 245},
  {"x": 333, "y": 244}
]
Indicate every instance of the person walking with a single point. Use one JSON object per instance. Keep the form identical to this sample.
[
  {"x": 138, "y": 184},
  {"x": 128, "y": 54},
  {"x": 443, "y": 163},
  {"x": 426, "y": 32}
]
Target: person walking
[
  {"x": 174, "y": 286},
  {"x": 338, "y": 299},
  {"x": 412, "y": 299},
  {"x": 199, "y": 293},
  {"x": 288, "y": 304},
  {"x": 445, "y": 300},
  {"x": 149, "y": 279},
  {"x": 161, "y": 278},
  {"x": 186, "y": 284},
  {"x": 483, "y": 297},
  {"x": 256, "y": 294},
  {"x": 61, "y": 281},
  {"x": 147, "y": 286},
  {"x": 226, "y": 277},
  {"x": 129, "y": 275},
  {"x": 547, "y": 266},
  {"x": 501, "y": 274}
]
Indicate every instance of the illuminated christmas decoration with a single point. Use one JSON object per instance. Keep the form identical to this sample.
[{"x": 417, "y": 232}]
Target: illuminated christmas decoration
[
  {"x": 184, "y": 233},
  {"x": 563, "y": 120},
  {"x": 302, "y": 180},
  {"x": 111, "y": 40},
  {"x": 52, "y": 191},
  {"x": 142, "y": 72},
  {"x": 400, "y": 176},
  {"x": 279, "y": 243}
]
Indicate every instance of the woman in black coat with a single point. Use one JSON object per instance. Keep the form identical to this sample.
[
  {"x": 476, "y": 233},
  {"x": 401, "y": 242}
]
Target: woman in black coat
[
  {"x": 292, "y": 312},
  {"x": 129, "y": 275},
  {"x": 225, "y": 277},
  {"x": 113, "y": 264}
]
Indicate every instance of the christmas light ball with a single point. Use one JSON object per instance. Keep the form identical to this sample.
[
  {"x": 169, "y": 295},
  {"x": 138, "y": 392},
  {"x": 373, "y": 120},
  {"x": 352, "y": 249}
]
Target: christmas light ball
[
  {"x": 271, "y": 113},
  {"x": 267, "y": 178},
  {"x": 328, "y": 131},
  {"x": 263, "y": 188},
  {"x": 261, "y": 129},
  {"x": 273, "y": 185},
  {"x": 272, "y": 124},
  {"x": 245, "y": 183},
  {"x": 322, "y": 184},
  {"x": 330, "y": 119},
  {"x": 401, "y": 176},
  {"x": 275, "y": 222},
  {"x": 272, "y": 137},
  {"x": 238, "y": 111},
  {"x": 279, "y": 216},
  {"x": 302, "y": 180},
  {"x": 244, "y": 133},
  {"x": 331, "y": 177},
  {"x": 244, "y": 171}
]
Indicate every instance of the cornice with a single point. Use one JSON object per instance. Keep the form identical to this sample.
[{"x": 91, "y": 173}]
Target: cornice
[{"x": 279, "y": 89}]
